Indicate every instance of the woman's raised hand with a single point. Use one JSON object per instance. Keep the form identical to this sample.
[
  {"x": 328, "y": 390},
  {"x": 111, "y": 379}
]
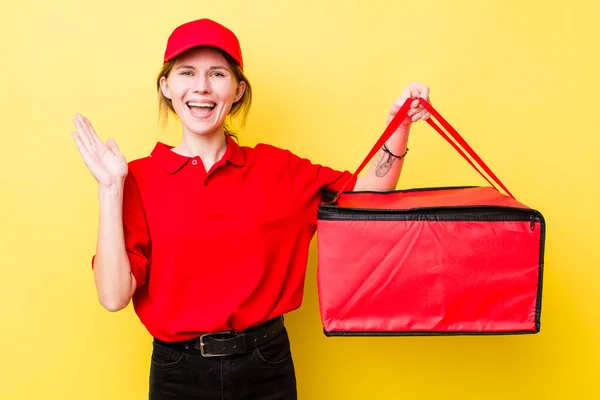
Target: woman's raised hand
[{"x": 105, "y": 161}]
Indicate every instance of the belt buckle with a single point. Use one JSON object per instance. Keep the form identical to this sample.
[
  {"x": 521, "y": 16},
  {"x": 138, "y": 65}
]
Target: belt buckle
[{"x": 202, "y": 344}]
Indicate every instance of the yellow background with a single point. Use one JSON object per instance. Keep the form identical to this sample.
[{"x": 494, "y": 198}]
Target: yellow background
[{"x": 519, "y": 79}]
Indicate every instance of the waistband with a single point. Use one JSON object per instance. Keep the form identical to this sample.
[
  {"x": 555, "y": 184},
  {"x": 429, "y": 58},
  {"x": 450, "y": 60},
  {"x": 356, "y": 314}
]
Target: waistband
[{"x": 218, "y": 344}]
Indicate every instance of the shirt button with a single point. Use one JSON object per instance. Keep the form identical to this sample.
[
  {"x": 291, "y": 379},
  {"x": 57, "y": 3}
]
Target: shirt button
[{"x": 194, "y": 162}]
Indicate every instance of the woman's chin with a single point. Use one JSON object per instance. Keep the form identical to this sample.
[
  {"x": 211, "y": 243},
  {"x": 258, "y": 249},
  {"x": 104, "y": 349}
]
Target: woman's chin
[{"x": 204, "y": 131}]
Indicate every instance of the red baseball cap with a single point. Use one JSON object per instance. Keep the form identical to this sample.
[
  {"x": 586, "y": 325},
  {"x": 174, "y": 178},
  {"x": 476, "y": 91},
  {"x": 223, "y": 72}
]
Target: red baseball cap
[{"x": 203, "y": 32}]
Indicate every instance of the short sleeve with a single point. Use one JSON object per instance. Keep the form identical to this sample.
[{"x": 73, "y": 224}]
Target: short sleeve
[
  {"x": 309, "y": 178},
  {"x": 135, "y": 231}
]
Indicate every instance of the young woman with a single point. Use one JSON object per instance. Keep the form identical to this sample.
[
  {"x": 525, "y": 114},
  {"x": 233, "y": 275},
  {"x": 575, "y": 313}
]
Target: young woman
[{"x": 210, "y": 239}]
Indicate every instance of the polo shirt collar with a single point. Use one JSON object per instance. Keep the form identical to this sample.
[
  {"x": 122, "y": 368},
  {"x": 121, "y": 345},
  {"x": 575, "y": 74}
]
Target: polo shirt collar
[{"x": 173, "y": 162}]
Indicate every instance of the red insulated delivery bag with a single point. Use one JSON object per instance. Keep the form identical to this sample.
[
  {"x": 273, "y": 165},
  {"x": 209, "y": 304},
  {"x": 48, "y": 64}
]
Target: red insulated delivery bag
[{"x": 437, "y": 261}]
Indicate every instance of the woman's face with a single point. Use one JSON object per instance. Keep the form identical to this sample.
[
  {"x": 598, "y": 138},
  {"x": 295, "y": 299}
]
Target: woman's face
[{"x": 202, "y": 88}]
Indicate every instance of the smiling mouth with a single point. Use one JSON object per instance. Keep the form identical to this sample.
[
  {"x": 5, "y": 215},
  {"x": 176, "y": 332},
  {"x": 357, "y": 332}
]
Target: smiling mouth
[
  {"x": 204, "y": 106},
  {"x": 201, "y": 109}
]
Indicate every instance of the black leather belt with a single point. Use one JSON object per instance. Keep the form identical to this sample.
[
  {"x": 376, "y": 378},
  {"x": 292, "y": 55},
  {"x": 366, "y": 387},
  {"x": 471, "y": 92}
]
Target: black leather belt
[{"x": 219, "y": 344}]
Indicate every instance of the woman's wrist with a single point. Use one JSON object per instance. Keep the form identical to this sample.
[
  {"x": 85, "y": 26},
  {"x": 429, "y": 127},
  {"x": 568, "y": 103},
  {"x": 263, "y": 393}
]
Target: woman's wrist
[{"x": 114, "y": 190}]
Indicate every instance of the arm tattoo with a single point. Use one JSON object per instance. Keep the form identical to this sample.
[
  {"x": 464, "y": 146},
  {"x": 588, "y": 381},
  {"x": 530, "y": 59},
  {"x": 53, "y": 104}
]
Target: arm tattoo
[{"x": 383, "y": 164}]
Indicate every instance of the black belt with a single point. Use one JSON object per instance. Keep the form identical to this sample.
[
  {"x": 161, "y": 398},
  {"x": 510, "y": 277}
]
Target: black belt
[{"x": 227, "y": 343}]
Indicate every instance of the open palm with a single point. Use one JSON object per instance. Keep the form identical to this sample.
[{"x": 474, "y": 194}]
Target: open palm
[{"x": 105, "y": 161}]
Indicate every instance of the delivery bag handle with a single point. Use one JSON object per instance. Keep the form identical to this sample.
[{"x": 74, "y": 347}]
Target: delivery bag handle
[{"x": 458, "y": 144}]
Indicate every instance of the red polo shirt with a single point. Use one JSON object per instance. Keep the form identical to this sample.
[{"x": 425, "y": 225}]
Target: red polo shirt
[{"x": 224, "y": 249}]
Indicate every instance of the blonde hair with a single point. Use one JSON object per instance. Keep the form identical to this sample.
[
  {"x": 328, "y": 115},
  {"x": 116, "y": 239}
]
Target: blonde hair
[{"x": 242, "y": 106}]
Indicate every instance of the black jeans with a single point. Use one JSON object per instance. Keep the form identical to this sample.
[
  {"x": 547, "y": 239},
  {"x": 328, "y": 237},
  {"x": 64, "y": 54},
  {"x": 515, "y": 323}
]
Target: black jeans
[{"x": 265, "y": 373}]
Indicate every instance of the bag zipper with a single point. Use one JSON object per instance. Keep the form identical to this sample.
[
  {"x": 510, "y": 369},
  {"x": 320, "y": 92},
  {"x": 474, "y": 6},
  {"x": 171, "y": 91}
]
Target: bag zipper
[{"x": 456, "y": 213}]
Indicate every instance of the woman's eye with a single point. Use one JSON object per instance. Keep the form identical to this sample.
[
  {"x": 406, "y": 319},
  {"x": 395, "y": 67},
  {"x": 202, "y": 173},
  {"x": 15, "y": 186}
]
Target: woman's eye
[
  {"x": 186, "y": 73},
  {"x": 217, "y": 74}
]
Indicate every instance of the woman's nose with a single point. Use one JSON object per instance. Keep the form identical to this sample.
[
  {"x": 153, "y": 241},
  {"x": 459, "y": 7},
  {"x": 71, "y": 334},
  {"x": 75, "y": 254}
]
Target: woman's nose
[{"x": 202, "y": 84}]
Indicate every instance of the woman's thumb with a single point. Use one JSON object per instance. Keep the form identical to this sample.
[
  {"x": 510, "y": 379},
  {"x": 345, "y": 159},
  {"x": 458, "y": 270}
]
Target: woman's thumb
[{"x": 112, "y": 145}]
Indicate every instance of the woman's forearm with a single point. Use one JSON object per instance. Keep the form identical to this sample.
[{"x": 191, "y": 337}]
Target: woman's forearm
[
  {"x": 112, "y": 271},
  {"x": 384, "y": 171}
]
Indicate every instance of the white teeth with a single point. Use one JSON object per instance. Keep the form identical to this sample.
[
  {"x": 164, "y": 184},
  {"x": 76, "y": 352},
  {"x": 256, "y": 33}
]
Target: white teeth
[{"x": 196, "y": 104}]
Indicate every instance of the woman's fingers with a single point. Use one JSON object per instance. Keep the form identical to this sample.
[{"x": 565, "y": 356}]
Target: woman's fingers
[
  {"x": 421, "y": 113},
  {"x": 89, "y": 158},
  {"x": 96, "y": 139},
  {"x": 83, "y": 133},
  {"x": 88, "y": 135},
  {"x": 80, "y": 145},
  {"x": 413, "y": 91}
]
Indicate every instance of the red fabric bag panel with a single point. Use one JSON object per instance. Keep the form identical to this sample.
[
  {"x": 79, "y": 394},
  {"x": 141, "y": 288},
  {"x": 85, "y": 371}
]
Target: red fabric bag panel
[{"x": 443, "y": 270}]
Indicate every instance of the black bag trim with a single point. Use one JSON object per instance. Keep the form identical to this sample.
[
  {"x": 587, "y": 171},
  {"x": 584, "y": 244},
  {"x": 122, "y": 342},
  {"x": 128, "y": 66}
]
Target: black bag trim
[{"x": 327, "y": 195}]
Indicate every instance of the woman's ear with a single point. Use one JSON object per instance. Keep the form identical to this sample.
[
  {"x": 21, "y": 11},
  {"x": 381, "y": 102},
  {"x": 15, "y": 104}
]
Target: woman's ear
[
  {"x": 240, "y": 91},
  {"x": 164, "y": 87}
]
